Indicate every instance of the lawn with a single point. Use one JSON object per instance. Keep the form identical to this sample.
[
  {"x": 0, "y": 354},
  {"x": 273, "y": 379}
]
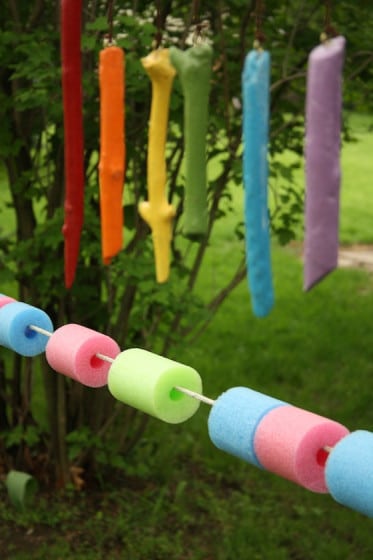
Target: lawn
[
  {"x": 356, "y": 197},
  {"x": 188, "y": 500}
]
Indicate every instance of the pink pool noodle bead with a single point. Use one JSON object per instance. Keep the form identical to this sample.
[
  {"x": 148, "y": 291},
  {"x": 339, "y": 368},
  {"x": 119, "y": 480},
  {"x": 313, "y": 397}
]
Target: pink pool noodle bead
[
  {"x": 4, "y": 300},
  {"x": 290, "y": 442},
  {"x": 72, "y": 349}
]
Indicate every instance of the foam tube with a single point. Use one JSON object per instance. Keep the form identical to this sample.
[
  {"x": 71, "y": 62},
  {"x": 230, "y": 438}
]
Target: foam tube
[
  {"x": 322, "y": 153},
  {"x": 290, "y": 442},
  {"x": 72, "y": 349},
  {"x": 193, "y": 67},
  {"x": 255, "y": 98},
  {"x": 349, "y": 472},
  {"x": 156, "y": 211},
  {"x": 4, "y": 300},
  {"x": 15, "y": 334},
  {"x": 233, "y": 420},
  {"x": 146, "y": 381}
]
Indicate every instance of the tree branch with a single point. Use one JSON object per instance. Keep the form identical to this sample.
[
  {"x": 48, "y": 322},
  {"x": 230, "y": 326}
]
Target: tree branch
[
  {"x": 15, "y": 14},
  {"x": 35, "y": 14},
  {"x": 292, "y": 35},
  {"x": 360, "y": 68},
  {"x": 216, "y": 302}
]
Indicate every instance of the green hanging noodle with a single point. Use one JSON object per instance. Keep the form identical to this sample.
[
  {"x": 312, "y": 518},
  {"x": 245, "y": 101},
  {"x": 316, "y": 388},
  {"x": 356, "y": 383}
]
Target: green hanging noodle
[{"x": 194, "y": 70}]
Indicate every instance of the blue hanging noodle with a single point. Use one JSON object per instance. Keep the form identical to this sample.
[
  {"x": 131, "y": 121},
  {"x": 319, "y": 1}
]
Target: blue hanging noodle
[{"x": 255, "y": 94}]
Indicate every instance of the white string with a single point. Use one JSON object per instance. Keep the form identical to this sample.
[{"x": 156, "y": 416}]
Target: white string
[
  {"x": 40, "y": 330},
  {"x": 195, "y": 395},
  {"x": 105, "y": 358},
  {"x": 188, "y": 392}
]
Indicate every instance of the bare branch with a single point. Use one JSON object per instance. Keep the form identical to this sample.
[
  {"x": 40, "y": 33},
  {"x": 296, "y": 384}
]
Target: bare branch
[
  {"x": 35, "y": 14},
  {"x": 286, "y": 79},
  {"x": 217, "y": 301},
  {"x": 292, "y": 35},
  {"x": 15, "y": 14},
  {"x": 360, "y": 68}
]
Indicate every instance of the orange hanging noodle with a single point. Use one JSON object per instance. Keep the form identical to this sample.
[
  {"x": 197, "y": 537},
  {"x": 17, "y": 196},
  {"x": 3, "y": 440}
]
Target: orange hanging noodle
[{"x": 112, "y": 150}]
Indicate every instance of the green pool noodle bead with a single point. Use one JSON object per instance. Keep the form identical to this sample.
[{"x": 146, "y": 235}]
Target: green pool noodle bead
[
  {"x": 193, "y": 67},
  {"x": 146, "y": 381},
  {"x": 21, "y": 488}
]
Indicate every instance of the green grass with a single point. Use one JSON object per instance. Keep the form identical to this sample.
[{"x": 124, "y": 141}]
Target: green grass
[
  {"x": 180, "y": 498},
  {"x": 356, "y": 199}
]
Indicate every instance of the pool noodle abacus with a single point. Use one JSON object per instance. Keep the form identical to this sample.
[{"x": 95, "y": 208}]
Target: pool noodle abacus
[{"x": 310, "y": 450}]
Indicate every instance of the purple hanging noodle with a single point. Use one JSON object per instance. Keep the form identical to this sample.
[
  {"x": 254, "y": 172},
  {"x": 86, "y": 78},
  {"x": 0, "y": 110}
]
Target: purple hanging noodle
[{"x": 322, "y": 154}]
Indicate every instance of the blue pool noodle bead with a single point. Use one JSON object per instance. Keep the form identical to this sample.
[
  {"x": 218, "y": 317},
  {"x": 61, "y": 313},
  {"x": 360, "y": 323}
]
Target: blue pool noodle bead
[
  {"x": 14, "y": 333},
  {"x": 234, "y": 418},
  {"x": 349, "y": 472}
]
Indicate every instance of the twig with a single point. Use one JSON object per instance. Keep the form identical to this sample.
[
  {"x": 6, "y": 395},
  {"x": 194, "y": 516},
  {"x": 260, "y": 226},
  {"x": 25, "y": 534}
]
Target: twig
[
  {"x": 35, "y": 14},
  {"x": 245, "y": 21},
  {"x": 291, "y": 39},
  {"x": 226, "y": 91},
  {"x": 360, "y": 68},
  {"x": 216, "y": 302},
  {"x": 15, "y": 14},
  {"x": 221, "y": 184},
  {"x": 284, "y": 126},
  {"x": 286, "y": 79}
]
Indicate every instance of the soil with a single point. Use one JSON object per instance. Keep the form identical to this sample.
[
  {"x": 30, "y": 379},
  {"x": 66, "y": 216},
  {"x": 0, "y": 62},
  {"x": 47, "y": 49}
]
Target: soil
[
  {"x": 356, "y": 256},
  {"x": 350, "y": 256}
]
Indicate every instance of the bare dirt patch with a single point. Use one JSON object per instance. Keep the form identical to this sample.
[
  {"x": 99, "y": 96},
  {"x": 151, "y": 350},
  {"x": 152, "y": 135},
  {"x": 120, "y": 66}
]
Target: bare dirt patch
[
  {"x": 349, "y": 256},
  {"x": 356, "y": 256}
]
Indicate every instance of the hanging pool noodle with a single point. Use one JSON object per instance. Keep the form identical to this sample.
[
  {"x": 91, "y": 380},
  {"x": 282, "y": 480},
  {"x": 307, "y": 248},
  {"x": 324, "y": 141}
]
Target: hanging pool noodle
[
  {"x": 322, "y": 154},
  {"x": 194, "y": 70},
  {"x": 156, "y": 211},
  {"x": 255, "y": 94}
]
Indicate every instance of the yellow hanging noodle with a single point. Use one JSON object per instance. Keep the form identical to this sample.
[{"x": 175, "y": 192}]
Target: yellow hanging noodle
[{"x": 157, "y": 212}]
